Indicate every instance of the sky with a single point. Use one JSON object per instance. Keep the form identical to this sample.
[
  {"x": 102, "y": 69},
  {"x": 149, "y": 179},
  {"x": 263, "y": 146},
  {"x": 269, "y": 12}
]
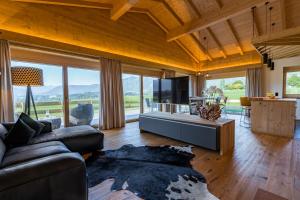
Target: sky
[{"x": 53, "y": 74}]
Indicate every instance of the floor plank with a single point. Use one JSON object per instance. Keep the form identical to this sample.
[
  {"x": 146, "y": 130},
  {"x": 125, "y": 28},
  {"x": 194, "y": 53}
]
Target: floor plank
[{"x": 258, "y": 162}]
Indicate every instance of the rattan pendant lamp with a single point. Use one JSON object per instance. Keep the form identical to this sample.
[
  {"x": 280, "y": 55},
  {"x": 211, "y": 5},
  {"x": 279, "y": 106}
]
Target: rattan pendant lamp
[{"x": 28, "y": 76}]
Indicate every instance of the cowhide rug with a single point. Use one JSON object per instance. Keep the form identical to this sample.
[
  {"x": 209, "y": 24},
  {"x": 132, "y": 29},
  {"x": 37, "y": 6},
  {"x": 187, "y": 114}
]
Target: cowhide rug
[{"x": 154, "y": 173}]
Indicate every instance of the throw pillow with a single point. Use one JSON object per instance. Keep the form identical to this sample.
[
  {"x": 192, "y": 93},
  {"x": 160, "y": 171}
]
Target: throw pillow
[
  {"x": 19, "y": 135},
  {"x": 35, "y": 125},
  {"x": 3, "y": 132}
]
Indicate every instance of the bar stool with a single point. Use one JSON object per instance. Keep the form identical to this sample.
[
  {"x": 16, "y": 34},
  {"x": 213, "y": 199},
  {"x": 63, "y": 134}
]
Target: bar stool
[{"x": 245, "y": 118}]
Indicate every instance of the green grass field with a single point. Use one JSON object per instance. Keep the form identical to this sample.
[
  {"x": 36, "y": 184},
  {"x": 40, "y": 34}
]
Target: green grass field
[
  {"x": 292, "y": 90},
  {"x": 234, "y": 94}
]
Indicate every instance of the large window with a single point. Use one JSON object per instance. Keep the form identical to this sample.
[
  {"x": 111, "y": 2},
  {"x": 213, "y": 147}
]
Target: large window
[
  {"x": 149, "y": 105},
  {"x": 291, "y": 82},
  {"x": 132, "y": 95},
  {"x": 71, "y": 94},
  {"x": 84, "y": 96},
  {"x": 48, "y": 98},
  {"x": 233, "y": 88}
]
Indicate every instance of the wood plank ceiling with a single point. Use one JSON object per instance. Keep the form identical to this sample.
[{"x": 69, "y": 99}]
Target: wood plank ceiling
[{"x": 206, "y": 30}]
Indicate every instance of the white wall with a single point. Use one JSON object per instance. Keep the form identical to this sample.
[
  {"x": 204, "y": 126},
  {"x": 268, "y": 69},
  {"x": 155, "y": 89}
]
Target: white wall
[{"x": 274, "y": 79}]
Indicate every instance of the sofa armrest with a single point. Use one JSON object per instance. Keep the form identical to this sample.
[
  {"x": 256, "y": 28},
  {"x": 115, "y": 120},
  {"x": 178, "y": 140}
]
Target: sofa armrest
[{"x": 62, "y": 175}]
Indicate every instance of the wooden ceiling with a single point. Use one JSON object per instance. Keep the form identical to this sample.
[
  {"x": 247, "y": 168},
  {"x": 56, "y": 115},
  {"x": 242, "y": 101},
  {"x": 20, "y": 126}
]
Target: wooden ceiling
[{"x": 206, "y": 31}]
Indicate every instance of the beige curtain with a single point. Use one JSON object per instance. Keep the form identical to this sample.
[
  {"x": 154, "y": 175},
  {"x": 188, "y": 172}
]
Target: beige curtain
[
  {"x": 6, "y": 95},
  {"x": 200, "y": 85},
  {"x": 254, "y": 82},
  {"x": 112, "y": 109}
]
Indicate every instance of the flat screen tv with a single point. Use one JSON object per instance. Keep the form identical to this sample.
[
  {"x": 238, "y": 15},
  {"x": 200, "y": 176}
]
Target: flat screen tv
[
  {"x": 180, "y": 90},
  {"x": 166, "y": 91},
  {"x": 156, "y": 91},
  {"x": 172, "y": 90}
]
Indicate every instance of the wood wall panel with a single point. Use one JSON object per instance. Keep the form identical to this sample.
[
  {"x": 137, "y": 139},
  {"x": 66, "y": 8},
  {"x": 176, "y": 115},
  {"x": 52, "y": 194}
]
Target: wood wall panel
[
  {"x": 232, "y": 62},
  {"x": 20, "y": 53},
  {"x": 134, "y": 35}
]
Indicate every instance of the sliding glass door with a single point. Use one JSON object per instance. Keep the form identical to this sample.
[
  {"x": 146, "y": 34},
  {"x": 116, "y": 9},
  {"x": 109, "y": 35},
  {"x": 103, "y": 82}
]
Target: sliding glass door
[
  {"x": 84, "y": 96},
  {"x": 48, "y": 98},
  {"x": 132, "y": 95},
  {"x": 233, "y": 89},
  {"x": 71, "y": 95}
]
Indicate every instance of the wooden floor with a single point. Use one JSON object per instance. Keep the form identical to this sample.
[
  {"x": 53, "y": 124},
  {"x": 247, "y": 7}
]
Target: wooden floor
[{"x": 258, "y": 161}]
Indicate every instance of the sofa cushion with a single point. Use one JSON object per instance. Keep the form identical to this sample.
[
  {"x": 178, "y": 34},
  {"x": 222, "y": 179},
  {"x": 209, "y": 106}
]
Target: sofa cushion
[
  {"x": 78, "y": 138},
  {"x": 19, "y": 135},
  {"x": 35, "y": 125},
  {"x": 30, "y": 152},
  {"x": 47, "y": 126}
]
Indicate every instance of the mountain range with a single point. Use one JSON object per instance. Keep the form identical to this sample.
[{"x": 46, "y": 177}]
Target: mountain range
[{"x": 130, "y": 84}]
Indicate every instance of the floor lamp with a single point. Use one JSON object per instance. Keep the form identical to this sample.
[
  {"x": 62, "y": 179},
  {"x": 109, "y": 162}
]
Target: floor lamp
[{"x": 27, "y": 76}]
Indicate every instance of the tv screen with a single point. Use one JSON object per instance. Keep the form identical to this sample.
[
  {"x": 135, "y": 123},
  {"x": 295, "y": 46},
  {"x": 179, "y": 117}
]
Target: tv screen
[
  {"x": 172, "y": 90},
  {"x": 166, "y": 91},
  {"x": 156, "y": 91},
  {"x": 180, "y": 90}
]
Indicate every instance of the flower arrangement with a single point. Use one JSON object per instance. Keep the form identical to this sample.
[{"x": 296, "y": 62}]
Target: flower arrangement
[
  {"x": 213, "y": 91},
  {"x": 210, "y": 111}
]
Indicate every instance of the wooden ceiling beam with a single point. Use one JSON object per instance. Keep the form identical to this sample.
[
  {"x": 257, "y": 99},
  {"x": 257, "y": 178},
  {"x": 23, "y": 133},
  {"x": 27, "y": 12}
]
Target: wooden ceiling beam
[
  {"x": 174, "y": 14},
  {"x": 121, "y": 7},
  {"x": 209, "y": 31},
  {"x": 72, "y": 3},
  {"x": 234, "y": 36},
  {"x": 181, "y": 22},
  {"x": 187, "y": 51},
  {"x": 231, "y": 30},
  {"x": 215, "y": 39},
  {"x": 228, "y": 11},
  {"x": 194, "y": 7},
  {"x": 219, "y": 3},
  {"x": 205, "y": 51},
  {"x": 255, "y": 22},
  {"x": 282, "y": 14},
  {"x": 157, "y": 22}
]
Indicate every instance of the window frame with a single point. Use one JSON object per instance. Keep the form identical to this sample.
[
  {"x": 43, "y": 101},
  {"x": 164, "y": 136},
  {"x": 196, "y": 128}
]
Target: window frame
[
  {"x": 49, "y": 65},
  {"x": 65, "y": 84},
  {"x": 41, "y": 56},
  {"x": 286, "y": 70}
]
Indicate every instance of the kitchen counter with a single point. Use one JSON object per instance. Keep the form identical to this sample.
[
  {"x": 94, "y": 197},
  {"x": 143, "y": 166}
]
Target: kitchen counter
[
  {"x": 273, "y": 116},
  {"x": 272, "y": 100}
]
